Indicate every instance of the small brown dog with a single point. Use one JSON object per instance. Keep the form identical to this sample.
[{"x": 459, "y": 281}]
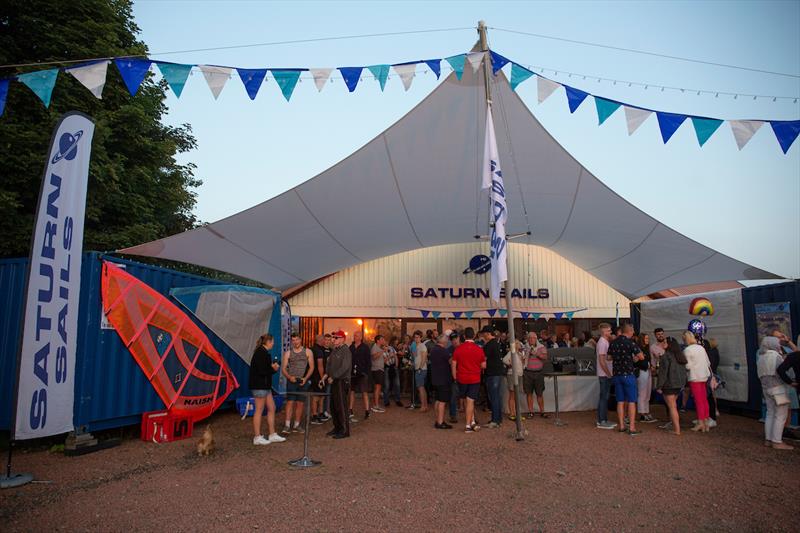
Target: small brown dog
[{"x": 205, "y": 446}]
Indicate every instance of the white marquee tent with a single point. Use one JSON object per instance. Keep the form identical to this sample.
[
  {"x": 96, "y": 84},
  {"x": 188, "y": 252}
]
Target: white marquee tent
[{"x": 418, "y": 184}]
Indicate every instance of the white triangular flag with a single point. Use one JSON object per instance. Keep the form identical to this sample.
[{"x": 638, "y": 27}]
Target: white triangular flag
[
  {"x": 216, "y": 77},
  {"x": 93, "y": 76},
  {"x": 406, "y": 73},
  {"x": 546, "y": 88},
  {"x": 320, "y": 76},
  {"x": 475, "y": 59},
  {"x": 743, "y": 130},
  {"x": 635, "y": 116}
]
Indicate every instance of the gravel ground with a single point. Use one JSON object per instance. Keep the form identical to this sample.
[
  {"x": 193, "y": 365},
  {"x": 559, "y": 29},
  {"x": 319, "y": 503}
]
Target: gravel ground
[{"x": 397, "y": 473}]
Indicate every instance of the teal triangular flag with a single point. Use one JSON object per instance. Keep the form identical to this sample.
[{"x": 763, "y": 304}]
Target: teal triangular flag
[
  {"x": 605, "y": 108},
  {"x": 457, "y": 62},
  {"x": 518, "y": 75},
  {"x": 536, "y": 316},
  {"x": 436, "y": 314},
  {"x": 287, "y": 80},
  {"x": 569, "y": 315},
  {"x": 41, "y": 83},
  {"x": 705, "y": 128},
  {"x": 175, "y": 74},
  {"x": 468, "y": 314},
  {"x": 503, "y": 312},
  {"x": 381, "y": 72}
]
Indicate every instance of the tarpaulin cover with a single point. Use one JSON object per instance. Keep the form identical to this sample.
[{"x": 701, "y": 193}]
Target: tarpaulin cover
[{"x": 188, "y": 374}]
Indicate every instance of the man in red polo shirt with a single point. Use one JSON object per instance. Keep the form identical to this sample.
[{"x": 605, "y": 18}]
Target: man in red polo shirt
[{"x": 468, "y": 361}]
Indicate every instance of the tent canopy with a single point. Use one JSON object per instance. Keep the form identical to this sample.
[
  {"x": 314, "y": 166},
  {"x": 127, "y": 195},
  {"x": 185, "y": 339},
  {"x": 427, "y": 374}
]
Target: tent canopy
[{"x": 417, "y": 184}]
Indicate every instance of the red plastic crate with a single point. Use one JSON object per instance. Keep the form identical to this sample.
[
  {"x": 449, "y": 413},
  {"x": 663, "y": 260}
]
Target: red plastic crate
[{"x": 161, "y": 426}]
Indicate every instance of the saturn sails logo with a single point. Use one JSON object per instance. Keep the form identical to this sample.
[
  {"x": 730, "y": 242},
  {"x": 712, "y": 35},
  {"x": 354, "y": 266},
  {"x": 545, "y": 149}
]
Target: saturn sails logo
[
  {"x": 480, "y": 264},
  {"x": 68, "y": 146}
]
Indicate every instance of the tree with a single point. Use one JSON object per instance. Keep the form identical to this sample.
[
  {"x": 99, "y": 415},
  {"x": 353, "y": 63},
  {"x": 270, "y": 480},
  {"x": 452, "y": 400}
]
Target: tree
[{"x": 137, "y": 191}]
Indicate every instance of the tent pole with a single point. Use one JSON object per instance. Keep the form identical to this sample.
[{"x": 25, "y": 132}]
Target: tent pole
[{"x": 515, "y": 364}]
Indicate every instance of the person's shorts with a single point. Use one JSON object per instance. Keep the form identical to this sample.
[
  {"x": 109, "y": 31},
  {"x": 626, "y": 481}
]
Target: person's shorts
[
  {"x": 260, "y": 393},
  {"x": 469, "y": 390},
  {"x": 625, "y": 389},
  {"x": 533, "y": 382},
  {"x": 419, "y": 377},
  {"x": 377, "y": 378},
  {"x": 295, "y": 387},
  {"x": 670, "y": 392},
  {"x": 359, "y": 383},
  {"x": 442, "y": 393}
]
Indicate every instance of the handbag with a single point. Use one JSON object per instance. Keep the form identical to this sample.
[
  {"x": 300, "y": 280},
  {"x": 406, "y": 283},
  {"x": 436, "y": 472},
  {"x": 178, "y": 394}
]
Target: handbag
[{"x": 778, "y": 395}]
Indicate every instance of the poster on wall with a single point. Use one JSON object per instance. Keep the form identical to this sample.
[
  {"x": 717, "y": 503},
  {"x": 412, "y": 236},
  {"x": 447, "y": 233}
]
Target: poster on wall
[{"x": 772, "y": 316}]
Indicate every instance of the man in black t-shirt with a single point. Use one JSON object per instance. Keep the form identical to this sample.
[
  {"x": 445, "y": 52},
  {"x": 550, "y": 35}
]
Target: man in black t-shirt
[
  {"x": 321, "y": 350},
  {"x": 362, "y": 363},
  {"x": 624, "y": 353},
  {"x": 495, "y": 375}
]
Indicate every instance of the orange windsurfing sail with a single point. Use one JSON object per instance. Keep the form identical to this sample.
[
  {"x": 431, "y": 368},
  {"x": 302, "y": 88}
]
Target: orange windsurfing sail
[{"x": 188, "y": 374}]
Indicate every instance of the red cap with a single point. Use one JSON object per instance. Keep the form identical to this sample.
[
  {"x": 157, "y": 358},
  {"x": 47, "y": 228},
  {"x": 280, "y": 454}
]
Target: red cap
[{"x": 339, "y": 334}]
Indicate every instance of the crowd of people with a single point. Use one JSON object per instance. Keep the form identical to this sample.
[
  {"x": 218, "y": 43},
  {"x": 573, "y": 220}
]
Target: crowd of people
[{"x": 461, "y": 371}]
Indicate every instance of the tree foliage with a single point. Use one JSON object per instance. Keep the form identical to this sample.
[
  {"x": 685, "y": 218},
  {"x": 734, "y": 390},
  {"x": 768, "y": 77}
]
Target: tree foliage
[{"x": 137, "y": 191}]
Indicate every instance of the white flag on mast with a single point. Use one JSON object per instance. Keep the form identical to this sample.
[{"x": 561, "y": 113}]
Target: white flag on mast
[{"x": 493, "y": 180}]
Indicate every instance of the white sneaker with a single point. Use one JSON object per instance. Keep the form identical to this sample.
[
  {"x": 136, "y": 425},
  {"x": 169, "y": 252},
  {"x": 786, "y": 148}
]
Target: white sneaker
[
  {"x": 375, "y": 409},
  {"x": 260, "y": 441},
  {"x": 276, "y": 438},
  {"x": 712, "y": 423}
]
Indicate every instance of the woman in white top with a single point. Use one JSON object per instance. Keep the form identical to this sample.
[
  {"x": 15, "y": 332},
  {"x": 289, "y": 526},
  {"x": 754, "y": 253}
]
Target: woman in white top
[
  {"x": 698, "y": 368},
  {"x": 769, "y": 358}
]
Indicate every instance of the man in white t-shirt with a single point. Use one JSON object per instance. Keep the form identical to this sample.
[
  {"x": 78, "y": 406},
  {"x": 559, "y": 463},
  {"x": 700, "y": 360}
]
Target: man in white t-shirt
[{"x": 604, "y": 374}]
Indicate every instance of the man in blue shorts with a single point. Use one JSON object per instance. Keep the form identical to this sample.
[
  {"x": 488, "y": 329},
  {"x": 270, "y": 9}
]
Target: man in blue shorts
[
  {"x": 467, "y": 363},
  {"x": 623, "y": 352}
]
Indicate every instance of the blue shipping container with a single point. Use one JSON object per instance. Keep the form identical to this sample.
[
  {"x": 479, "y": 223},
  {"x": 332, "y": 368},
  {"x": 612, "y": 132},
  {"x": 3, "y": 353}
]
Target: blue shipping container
[{"x": 110, "y": 389}]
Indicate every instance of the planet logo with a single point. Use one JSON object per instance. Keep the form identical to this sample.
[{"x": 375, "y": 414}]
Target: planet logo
[
  {"x": 480, "y": 264},
  {"x": 68, "y": 146}
]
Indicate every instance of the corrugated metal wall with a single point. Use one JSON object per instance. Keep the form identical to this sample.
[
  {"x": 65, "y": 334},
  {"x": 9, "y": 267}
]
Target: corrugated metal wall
[
  {"x": 381, "y": 288},
  {"x": 110, "y": 388}
]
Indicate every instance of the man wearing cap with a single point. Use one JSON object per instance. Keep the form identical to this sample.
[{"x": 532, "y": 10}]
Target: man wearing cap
[
  {"x": 338, "y": 370},
  {"x": 495, "y": 375}
]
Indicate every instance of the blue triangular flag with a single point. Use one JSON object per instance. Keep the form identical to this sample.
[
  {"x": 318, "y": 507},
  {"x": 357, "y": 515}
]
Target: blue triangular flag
[
  {"x": 435, "y": 66},
  {"x": 457, "y": 314},
  {"x": 786, "y": 131},
  {"x": 503, "y": 312},
  {"x": 524, "y": 314},
  {"x": 252, "y": 79},
  {"x": 669, "y": 123},
  {"x": 175, "y": 74},
  {"x": 436, "y": 314},
  {"x": 605, "y": 108},
  {"x": 518, "y": 75},
  {"x": 41, "y": 83},
  {"x": 424, "y": 313},
  {"x": 575, "y": 98},
  {"x": 133, "y": 72},
  {"x": 468, "y": 314},
  {"x": 704, "y": 128},
  {"x": 381, "y": 72},
  {"x": 535, "y": 316},
  {"x": 457, "y": 62},
  {"x": 286, "y": 80},
  {"x": 498, "y": 61},
  {"x": 491, "y": 311},
  {"x": 3, "y": 95},
  {"x": 558, "y": 315},
  {"x": 351, "y": 76}
]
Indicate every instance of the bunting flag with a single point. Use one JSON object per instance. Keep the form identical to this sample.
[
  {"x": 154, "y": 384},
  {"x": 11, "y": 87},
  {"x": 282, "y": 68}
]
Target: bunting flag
[
  {"x": 381, "y": 73},
  {"x": 435, "y": 65},
  {"x": 320, "y": 76},
  {"x": 468, "y": 314},
  {"x": 575, "y": 97},
  {"x": 41, "y": 83},
  {"x": 498, "y": 62},
  {"x": 425, "y": 313},
  {"x": 605, "y": 108},
  {"x": 216, "y": 78},
  {"x": 743, "y": 130},
  {"x": 569, "y": 314},
  {"x": 457, "y": 64},
  {"x": 457, "y": 314},
  {"x": 252, "y": 78},
  {"x": 474, "y": 59},
  {"x": 518, "y": 75},
  {"x": 546, "y": 88},
  {"x": 669, "y": 123},
  {"x": 786, "y": 131},
  {"x": 92, "y": 76},
  {"x": 704, "y": 128},
  {"x": 491, "y": 312},
  {"x": 503, "y": 312},
  {"x": 535, "y": 316},
  {"x": 175, "y": 74},
  {"x": 524, "y": 314},
  {"x": 3, "y": 95},
  {"x": 558, "y": 315},
  {"x": 286, "y": 80},
  {"x": 635, "y": 116},
  {"x": 133, "y": 72},
  {"x": 351, "y": 76},
  {"x": 406, "y": 72},
  {"x": 436, "y": 314}
]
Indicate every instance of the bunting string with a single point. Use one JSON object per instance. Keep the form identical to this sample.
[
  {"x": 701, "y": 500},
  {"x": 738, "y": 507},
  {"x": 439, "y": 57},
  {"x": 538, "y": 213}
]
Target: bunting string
[
  {"x": 497, "y": 313},
  {"x": 134, "y": 70}
]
